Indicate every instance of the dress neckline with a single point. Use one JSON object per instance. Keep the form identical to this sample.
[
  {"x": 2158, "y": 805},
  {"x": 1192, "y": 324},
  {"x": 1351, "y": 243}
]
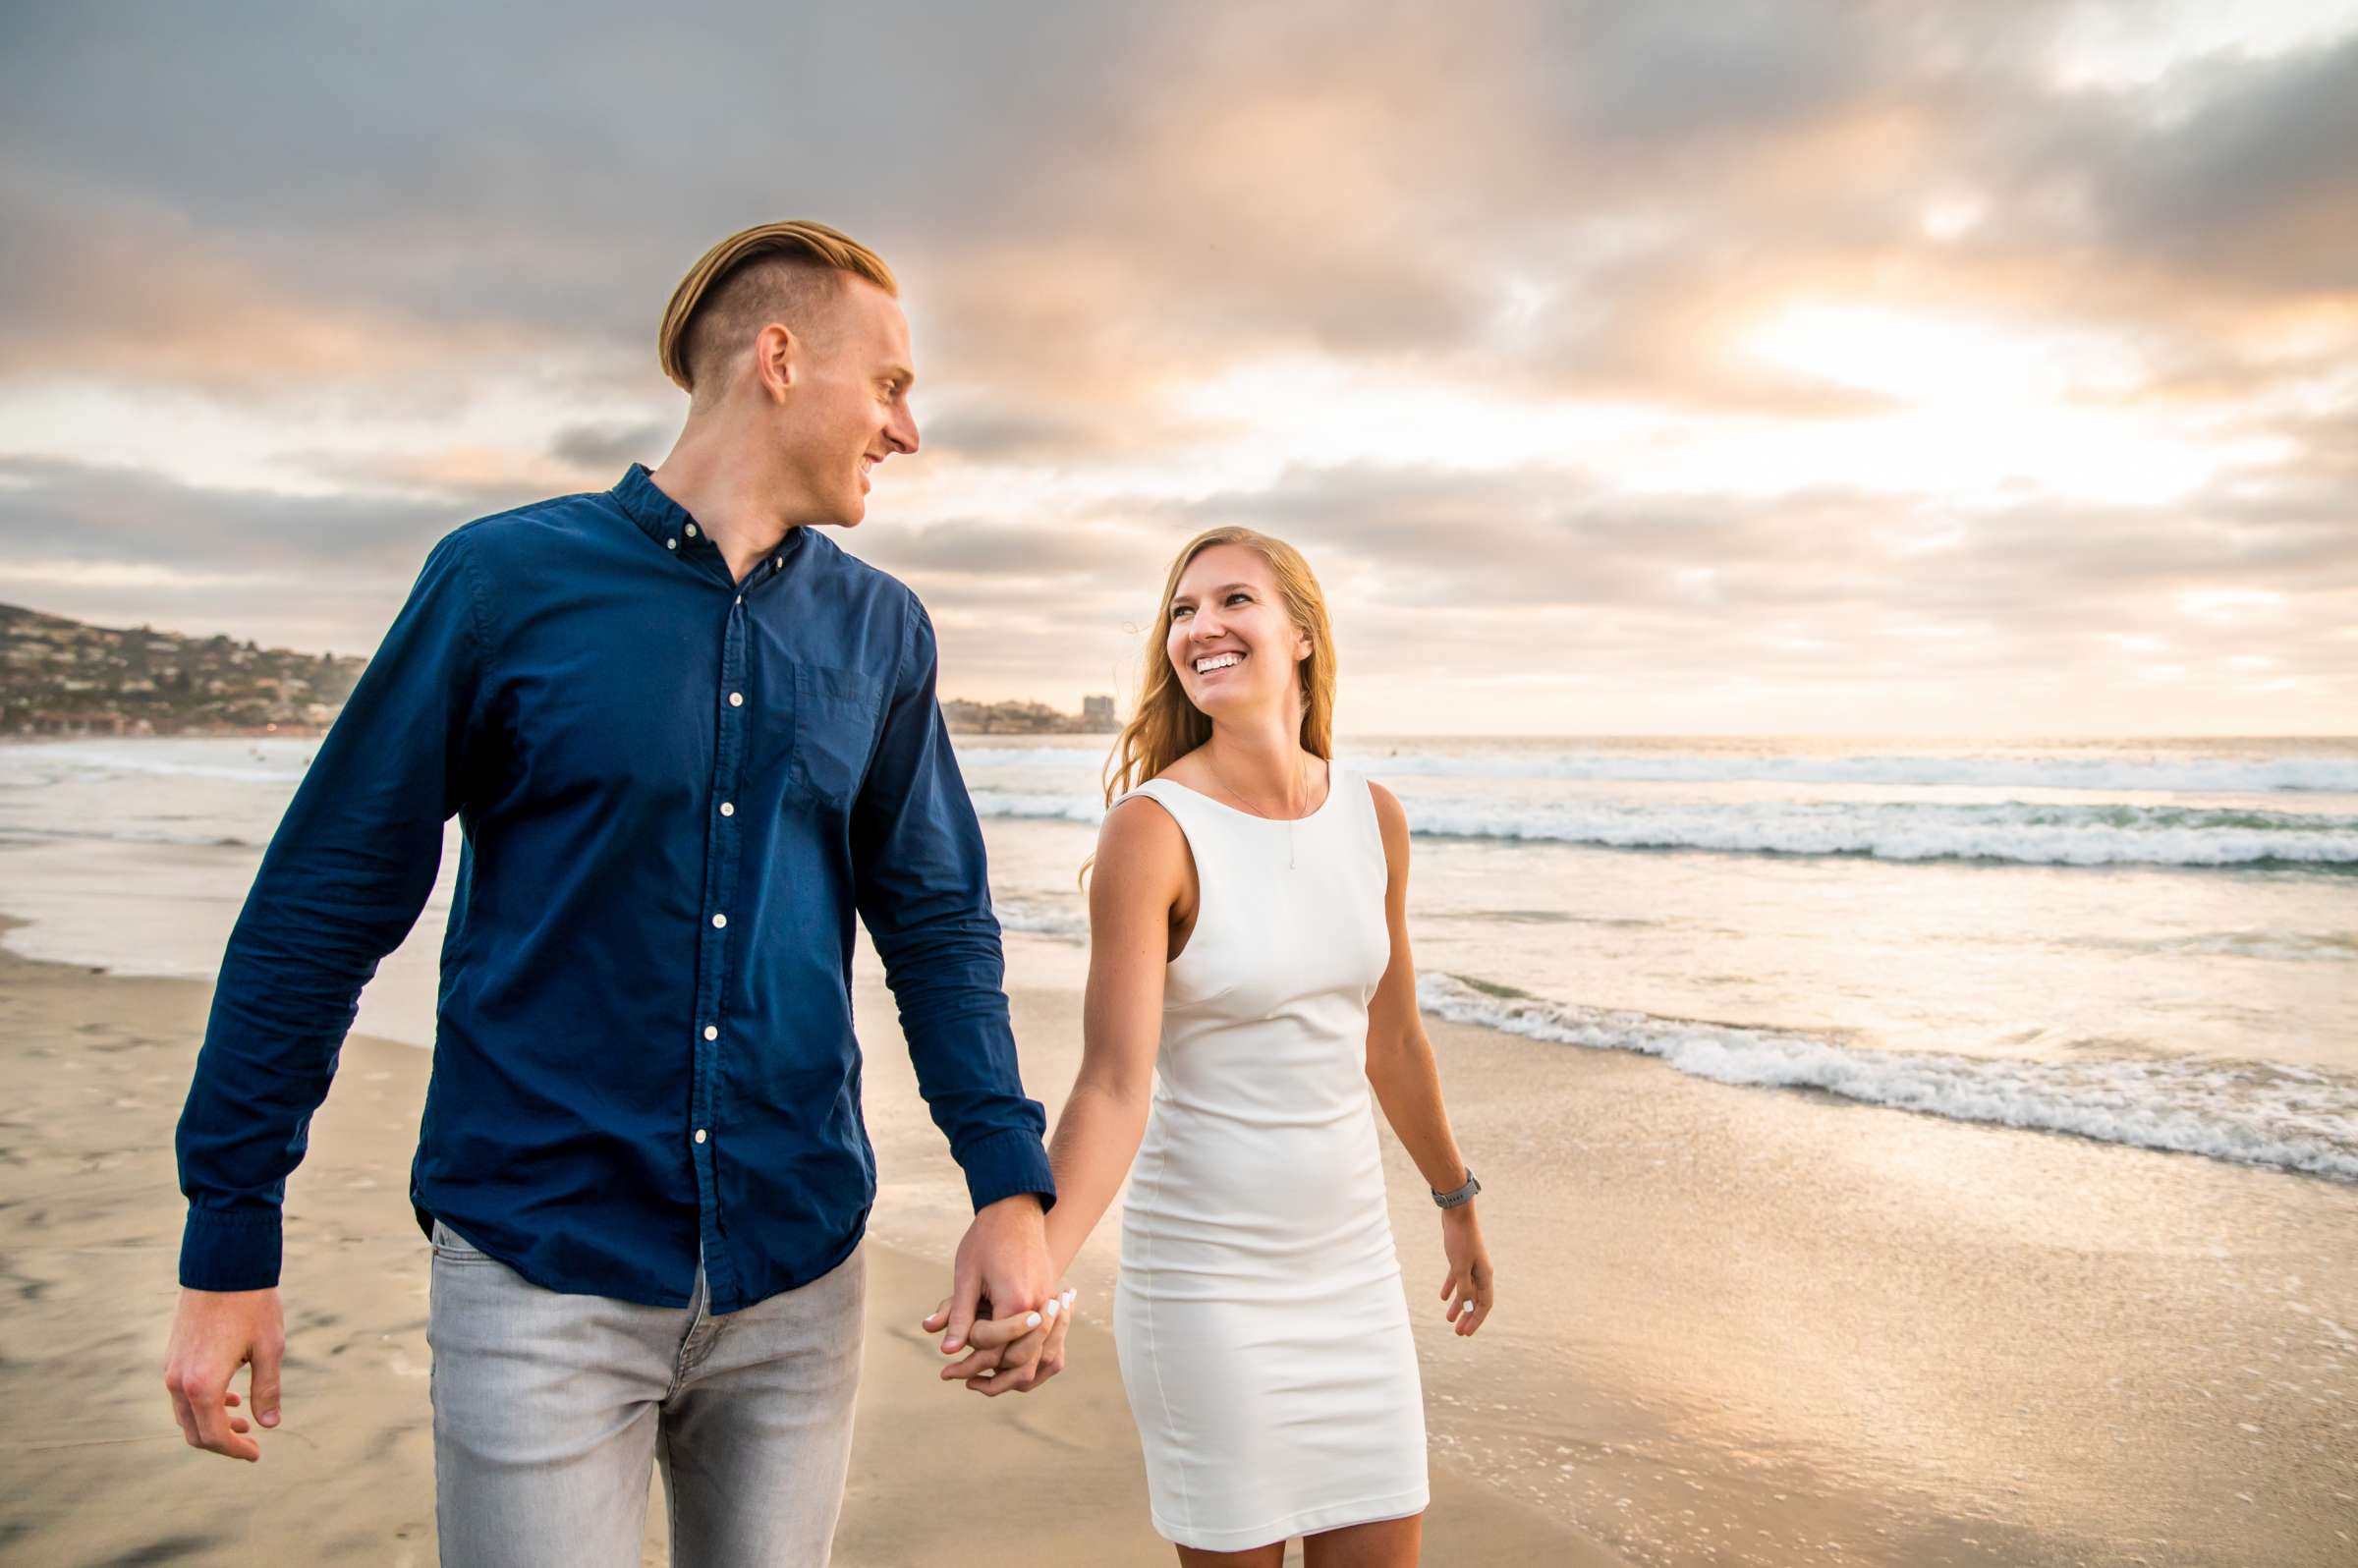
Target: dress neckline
[{"x": 1311, "y": 815}]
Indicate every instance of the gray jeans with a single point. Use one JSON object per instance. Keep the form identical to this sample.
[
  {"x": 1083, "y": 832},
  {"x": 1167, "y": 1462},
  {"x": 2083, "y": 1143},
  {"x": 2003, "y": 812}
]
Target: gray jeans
[{"x": 550, "y": 1408}]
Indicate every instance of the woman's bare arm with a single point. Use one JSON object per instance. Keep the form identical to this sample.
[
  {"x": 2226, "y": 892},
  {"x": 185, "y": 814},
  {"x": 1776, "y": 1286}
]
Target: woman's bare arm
[
  {"x": 1400, "y": 1063},
  {"x": 1141, "y": 871},
  {"x": 1408, "y": 1085},
  {"x": 1140, "y": 875}
]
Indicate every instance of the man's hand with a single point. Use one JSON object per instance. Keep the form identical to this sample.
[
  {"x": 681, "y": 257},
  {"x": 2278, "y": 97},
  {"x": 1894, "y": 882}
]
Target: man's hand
[
  {"x": 1002, "y": 1260},
  {"x": 213, "y": 1332}
]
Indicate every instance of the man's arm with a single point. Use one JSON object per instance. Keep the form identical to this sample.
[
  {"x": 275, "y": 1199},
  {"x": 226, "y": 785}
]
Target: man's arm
[
  {"x": 923, "y": 891},
  {"x": 343, "y": 880}
]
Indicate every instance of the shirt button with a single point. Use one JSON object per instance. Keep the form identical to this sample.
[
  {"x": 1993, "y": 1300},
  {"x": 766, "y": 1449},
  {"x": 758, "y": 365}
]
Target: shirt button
[
  {"x": 711, "y": 1033},
  {"x": 728, "y": 810},
  {"x": 690, "y": 531},
  {"x": 720, "y": 919},
  {"x": 699, "y": 1135},
  {"x": 671, "y": 544},
  {"x": 736, "y": 699}
]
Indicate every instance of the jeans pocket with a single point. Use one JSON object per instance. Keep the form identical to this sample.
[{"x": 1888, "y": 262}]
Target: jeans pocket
[
  {"x": 834, "y": 732},
  {"x": 452, "y": 1248}
]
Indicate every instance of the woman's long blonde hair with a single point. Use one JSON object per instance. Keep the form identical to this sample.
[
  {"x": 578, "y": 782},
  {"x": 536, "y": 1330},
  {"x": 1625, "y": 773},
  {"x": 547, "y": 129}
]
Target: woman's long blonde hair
[{"x": 1164, "y": 725}]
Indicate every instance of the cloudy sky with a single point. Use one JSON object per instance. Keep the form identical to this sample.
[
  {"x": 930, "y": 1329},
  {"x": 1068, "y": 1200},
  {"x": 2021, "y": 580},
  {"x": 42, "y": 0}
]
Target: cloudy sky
[{"x": 1987, "y": 367}]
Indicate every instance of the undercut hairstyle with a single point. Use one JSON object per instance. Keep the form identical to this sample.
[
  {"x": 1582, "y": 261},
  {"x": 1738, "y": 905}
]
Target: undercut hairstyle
[{"x": 790, "y": 272}]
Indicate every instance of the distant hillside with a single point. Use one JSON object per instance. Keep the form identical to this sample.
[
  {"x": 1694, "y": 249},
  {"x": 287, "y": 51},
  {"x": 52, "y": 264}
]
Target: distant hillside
[{"x": 62, "y": 677}]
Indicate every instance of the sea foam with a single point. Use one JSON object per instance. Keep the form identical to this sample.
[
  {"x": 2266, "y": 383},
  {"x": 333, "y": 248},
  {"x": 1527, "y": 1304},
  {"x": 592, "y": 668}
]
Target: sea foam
[
  {"x": 2178, "y": 774},
  {"x": 2255, "y": 1113},
  {"x": 2021, "y": 832}
]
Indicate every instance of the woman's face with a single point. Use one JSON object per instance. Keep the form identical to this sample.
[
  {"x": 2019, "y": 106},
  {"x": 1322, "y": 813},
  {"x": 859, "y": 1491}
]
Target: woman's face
[{"x": 1230, "y": 640}]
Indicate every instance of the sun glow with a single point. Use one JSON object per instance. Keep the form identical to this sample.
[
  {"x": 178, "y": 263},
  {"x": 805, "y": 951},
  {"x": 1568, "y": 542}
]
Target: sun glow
[
  {"x": 1971, "y": 412},
  {"x": 1939, "y": 360}
]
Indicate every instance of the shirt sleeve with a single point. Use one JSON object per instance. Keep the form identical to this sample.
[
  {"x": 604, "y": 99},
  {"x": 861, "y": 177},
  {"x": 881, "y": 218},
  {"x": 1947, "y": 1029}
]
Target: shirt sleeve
[
  {"x": 343, "y": 880},
  {"x": 923, "y": 890}
]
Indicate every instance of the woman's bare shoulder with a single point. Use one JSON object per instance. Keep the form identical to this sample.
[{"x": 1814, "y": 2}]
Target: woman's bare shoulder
[
  {"x": 1139, "y": 826},
  {"x": 1141, "y": 854}
]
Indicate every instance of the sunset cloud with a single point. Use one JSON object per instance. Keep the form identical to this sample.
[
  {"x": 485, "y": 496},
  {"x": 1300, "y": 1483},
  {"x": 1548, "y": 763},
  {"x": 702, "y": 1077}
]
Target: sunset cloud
[{"x": 1744, "y": 365}]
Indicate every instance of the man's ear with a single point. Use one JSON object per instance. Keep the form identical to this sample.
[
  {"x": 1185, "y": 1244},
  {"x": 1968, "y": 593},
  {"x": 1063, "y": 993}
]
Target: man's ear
[{"x": 776, "y": 350}]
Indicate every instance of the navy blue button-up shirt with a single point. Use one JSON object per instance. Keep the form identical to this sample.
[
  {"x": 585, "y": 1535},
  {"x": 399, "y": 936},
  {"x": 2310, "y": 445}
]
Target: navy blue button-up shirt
[{"x": 675, "y": 788}]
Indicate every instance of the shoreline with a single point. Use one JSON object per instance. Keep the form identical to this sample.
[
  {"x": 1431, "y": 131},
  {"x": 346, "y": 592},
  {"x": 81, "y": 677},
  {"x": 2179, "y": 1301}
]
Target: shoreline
[{"x": 90, "y": 1227}]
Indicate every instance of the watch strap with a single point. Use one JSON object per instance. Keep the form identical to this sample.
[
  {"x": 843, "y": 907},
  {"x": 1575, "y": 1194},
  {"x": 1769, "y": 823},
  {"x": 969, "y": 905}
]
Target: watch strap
[{"x": 1464, "y": 1195}]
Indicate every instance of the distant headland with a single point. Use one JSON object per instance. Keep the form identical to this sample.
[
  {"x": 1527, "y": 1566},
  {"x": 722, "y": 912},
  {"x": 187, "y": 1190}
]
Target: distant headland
[{"x": 61, "y": 677}]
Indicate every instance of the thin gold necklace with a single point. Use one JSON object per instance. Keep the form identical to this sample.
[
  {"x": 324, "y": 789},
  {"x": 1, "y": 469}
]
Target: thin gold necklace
[{"x": 1301, "y": 785}]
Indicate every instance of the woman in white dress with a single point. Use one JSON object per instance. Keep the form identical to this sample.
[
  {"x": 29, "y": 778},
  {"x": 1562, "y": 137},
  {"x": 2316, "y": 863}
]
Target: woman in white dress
[{"x": 1249, "y": 980}]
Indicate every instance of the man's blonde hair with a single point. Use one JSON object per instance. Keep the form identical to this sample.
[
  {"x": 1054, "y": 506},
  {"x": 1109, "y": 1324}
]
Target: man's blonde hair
[{"x": 777, "y": 270}]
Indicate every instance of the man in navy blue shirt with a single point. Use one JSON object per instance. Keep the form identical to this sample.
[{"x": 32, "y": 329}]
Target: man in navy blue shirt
[{"x": 687, "y": 738}]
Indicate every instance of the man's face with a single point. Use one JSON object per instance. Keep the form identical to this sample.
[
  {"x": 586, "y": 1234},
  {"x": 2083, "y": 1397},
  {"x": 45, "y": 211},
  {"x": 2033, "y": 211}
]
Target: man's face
[{"x": 850, "y": 407}]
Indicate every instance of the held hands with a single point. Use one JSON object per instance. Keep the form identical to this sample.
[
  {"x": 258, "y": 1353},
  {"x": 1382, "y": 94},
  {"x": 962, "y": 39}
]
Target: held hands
[
  {"x": 213, "y": 1332},
  {"x": 1003, "y": 1260},
  {"x": 1467, "y": 1288},
  {"x": 1014, "y": 1354}
]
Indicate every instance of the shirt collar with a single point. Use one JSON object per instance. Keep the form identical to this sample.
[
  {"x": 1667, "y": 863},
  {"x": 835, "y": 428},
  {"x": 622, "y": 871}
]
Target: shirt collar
[
  {"x": 663, "y": 518},
  {"x": 669, "y": 524}
]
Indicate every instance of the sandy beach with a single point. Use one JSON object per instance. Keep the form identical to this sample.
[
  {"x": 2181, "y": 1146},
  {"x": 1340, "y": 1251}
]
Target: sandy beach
[
  {"x": 1734, "y": 1327},
  {"x": 94, "y": 1471}
]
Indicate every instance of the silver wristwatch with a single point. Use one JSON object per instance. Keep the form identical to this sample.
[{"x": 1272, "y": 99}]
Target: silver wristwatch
[{"x": 1464, "y": 1195}]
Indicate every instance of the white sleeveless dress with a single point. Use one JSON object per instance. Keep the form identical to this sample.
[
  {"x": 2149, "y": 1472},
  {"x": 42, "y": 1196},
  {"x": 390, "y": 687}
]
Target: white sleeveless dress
[{"x": 1260, "y": 1319}]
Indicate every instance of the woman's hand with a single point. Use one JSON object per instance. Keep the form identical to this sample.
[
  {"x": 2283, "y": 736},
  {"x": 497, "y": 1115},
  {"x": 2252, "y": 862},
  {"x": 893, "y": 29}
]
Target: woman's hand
[{"x": 1467, "y": 1288}]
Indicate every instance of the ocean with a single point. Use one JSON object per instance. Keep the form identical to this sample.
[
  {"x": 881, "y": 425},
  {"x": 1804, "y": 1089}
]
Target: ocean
[
  {"x": 2148, "y": 943},
  {"x": 2145, "y": 942}
]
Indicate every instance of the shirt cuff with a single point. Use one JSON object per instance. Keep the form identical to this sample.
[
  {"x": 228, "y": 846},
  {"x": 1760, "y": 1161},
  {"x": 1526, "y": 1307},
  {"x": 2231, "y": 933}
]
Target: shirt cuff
[
  {"x": 220, "y": 1251},
  {"x": 1005, "y": 1164}
]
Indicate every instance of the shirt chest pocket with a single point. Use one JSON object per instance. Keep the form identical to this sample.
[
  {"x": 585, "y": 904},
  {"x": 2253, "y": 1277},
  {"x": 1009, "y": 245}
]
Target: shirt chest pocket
[{"x": 834, "y": 731}]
